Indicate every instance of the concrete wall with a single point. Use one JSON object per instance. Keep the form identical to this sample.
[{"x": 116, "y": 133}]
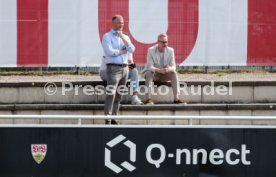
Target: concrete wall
[
  {"x": 165, "y": 109},
  {"x": 191, "y": 92},
  {"x": 203, "y": 98}
]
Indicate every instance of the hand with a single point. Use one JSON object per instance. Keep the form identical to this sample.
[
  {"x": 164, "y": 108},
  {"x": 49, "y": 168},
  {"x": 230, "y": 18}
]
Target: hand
[
  {"x": 120, "y": 33},
  {"x": 123, "y": 51},
  {"x": 167, "y": 70},
  {"x": 123, "y": 37},
  {"x": 129, "y": 61},
  {"x": 160, "y": 70},
  {"x": 132, "y": 65}
]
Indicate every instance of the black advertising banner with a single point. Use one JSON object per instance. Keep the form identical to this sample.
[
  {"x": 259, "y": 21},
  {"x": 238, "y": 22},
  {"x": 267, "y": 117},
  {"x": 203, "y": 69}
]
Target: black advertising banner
[{"x": 137, "y": 152}]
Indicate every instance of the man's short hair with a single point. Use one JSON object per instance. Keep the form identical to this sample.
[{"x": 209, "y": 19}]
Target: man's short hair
[
  {"x": 162, "y": 35},
  {"x": 115, "y": 17}
]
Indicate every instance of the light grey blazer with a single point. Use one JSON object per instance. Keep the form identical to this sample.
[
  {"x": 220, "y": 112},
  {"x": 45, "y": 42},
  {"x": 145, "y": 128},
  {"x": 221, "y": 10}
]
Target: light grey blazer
[{"x": 153, "y": 58}]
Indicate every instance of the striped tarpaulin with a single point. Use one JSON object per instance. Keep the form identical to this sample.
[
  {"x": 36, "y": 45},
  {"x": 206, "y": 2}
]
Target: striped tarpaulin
[{"x": 202, "y": 32}]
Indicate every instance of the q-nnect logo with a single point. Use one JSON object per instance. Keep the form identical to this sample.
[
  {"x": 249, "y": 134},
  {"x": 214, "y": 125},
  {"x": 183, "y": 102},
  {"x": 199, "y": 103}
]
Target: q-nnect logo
[
  {"x": 125, "y": 164},
  {"x": 178, "y": 156}
]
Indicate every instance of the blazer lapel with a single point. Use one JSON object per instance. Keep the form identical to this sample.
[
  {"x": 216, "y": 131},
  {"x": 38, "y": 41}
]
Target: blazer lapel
[
  {"x": 166, "y": 57},
  {"x": 157, "y": 57}
]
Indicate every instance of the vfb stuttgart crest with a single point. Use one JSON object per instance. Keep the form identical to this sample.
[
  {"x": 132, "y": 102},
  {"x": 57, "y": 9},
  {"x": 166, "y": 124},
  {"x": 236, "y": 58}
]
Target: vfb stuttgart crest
[{"x": 39, "y": 152}]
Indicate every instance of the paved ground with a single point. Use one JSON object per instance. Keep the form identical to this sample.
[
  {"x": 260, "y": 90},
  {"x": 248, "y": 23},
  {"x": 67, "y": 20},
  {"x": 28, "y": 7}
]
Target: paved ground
[{"x": 183, "y": 77}]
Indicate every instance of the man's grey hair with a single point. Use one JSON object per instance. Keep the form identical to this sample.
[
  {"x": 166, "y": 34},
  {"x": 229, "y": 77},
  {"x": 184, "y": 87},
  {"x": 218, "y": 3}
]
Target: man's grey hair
[{"x": 162, "y": 35}]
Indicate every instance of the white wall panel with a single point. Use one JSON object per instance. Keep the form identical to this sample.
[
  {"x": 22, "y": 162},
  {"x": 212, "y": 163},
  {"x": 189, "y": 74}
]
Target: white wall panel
[
  {"x": 73, "y": 33},
  {"x": 222, "y": 34},
  {"x": 8, "y": 33}
]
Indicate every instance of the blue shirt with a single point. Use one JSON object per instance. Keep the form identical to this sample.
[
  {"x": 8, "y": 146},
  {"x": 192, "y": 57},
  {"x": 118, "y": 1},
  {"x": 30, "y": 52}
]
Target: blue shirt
[{"x": 112, "y": 44}]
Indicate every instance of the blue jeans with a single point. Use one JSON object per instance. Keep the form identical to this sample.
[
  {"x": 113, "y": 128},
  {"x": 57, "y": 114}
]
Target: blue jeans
[{"x": 132, "y": 75}]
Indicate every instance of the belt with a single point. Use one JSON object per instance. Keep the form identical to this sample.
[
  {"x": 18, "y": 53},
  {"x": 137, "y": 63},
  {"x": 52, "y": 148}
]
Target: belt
[{"x": 115, "y": 64}]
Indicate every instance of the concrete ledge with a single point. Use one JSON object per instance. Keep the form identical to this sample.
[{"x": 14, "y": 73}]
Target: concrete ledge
[{"x": 191, "y": 92}]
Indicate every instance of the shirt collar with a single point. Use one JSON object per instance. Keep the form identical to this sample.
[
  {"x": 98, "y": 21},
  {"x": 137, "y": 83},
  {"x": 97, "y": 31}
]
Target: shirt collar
[{"x": 114, "y": 32}]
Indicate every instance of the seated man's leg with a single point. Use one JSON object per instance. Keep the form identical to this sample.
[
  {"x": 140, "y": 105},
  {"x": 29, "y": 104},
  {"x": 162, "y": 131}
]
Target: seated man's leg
[
  {"x": 172, "y": 76},
  {"x": 134, "y": 86},
  {"x": 149, "y": 78},
  {"x": 134, "y": 78},
  {"x": 103, "y": 74}
]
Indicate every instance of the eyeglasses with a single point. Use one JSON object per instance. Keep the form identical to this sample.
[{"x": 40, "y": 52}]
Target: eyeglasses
[{"x": 163, "y": 42}]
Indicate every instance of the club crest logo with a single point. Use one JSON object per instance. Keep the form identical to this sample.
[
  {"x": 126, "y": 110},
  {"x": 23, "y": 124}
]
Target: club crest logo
[{"x": 39, "y": 152}]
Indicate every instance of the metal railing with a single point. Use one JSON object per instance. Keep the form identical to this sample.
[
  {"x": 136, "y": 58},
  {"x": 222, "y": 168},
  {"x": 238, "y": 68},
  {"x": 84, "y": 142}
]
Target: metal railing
[{"x": 190, "y": 119}]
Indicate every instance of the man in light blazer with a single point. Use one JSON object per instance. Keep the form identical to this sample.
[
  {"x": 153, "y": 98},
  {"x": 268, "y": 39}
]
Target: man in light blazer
[{"x": 161, "y": 67}]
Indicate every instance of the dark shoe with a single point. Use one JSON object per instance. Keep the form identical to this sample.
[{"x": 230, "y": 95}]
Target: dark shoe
[
  {"x": 178, "y": 102},
  {"x": 114, "y": 122},
  {"x": 108, "y": 122},
  {"x": 149, "y": 102}
]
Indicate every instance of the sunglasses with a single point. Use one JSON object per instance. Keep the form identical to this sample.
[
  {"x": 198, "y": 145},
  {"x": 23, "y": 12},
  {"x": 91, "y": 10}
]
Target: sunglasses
[{"x": 163, "y": 42}]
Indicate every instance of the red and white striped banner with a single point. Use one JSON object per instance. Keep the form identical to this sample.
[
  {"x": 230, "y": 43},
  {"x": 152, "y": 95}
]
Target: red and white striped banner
[{"x": 203, "y": 32}]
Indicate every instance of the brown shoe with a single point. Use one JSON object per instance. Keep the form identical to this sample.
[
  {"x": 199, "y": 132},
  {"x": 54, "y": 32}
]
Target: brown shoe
[
  {"x": 178, "y": 102},
  {"x": 149, "y": 102}
]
